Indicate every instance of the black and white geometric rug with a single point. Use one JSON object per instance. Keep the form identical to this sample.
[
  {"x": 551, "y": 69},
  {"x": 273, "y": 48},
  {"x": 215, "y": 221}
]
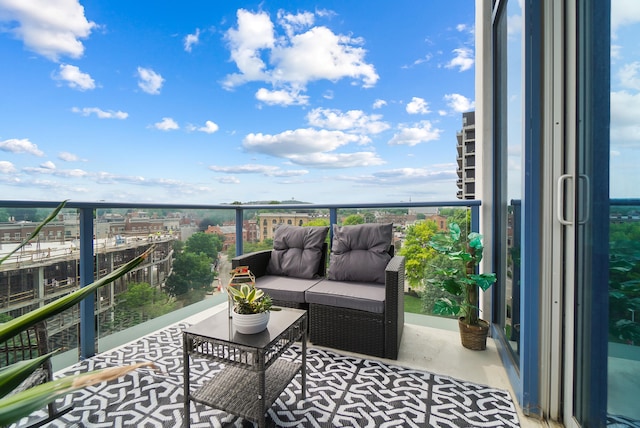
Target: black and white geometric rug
[{"x": 342, "y": 391}]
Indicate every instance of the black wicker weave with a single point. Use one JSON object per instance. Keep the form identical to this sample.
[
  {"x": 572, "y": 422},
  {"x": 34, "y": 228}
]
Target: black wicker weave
[{"x": 364, "y": 332}]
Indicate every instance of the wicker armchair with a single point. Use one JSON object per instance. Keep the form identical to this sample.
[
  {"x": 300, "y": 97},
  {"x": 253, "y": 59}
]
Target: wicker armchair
[
  {"x": 32, "y": 343},
  {"x": 362, "y": 331}
]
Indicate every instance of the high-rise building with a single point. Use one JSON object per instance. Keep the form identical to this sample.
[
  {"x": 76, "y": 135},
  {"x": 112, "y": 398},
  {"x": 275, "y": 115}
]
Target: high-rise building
[{"x": 466, "y": 149}]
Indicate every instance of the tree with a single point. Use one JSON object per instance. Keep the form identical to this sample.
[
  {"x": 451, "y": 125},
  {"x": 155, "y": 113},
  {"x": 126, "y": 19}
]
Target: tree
[
  {"x": 177, "y": 246},
  {"x": 190, "y": 272},
  {"x": 141, "y": 302},
  {"x": 417, "y": 252},
  {"x": 205, "y": 243},
  {"x": 250, "y": 247},
  {"x": 318, "y": 222},
  {"x": 353, "y": 219}
]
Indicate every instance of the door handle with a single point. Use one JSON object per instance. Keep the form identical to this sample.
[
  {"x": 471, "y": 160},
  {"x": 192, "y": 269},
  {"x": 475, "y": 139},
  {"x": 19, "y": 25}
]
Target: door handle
[{"x": 560, "y": 202}]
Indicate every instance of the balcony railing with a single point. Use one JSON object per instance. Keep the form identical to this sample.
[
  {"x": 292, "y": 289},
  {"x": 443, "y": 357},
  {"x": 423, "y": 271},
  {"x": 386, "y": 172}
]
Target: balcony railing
[{"x": 88, "y": 248}]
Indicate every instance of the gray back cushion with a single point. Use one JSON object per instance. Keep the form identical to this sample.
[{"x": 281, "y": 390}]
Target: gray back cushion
[
  {"x": 360, "y": 253},
  {"x": 297, "y": 251}
]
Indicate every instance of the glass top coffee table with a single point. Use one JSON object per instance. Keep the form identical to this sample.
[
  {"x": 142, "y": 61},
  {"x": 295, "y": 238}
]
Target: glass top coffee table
[{"x": 254, "y": 374}]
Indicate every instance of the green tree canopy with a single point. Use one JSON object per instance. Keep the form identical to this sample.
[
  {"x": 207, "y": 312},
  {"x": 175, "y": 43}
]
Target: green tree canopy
[
  {"x": 250, "y": 247},
  {"x": 417, "y": 252},
  {"x": 190, "y": 272},
  {"x": 206, "y": 243},
  {"x": 353, "y": 219},
  {"x": 318, "y": 222}
]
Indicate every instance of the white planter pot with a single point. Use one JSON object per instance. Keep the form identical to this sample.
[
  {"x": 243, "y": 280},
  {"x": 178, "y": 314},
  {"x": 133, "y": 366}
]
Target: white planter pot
[{"x": 250, "y": 323}]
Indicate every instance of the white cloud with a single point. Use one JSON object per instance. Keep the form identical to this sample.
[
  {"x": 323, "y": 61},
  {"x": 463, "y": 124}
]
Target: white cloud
[
  {"x": 51, "y": 28},
  {"x": 209, "y": 127},
  {"x": 75, "y": 78},
  {"x": 191, "y": 39},
  {"x": 320, "y": 54},
  {"x": 418, "y": 106},
  {"x": 624, "y": 12},
  {"x": 7, "y": 167},
  {"x": 294, "y": 57},
  {"x": 228, "y": 180},
  {"x": 166, "y": 124},
  {"x": 254, "y": 33},
  {"x": 14, "y": 145},
  {"x": 379, "y": 103},
  {"x": 410, "y": 176},
  {"x": 299, "y": 141},
  {"x": 421, "y": 132},
  {"x": 68, "y": 157},
  {"x": 266, "y": 170},
  {"x": 352, "y": 120},
  {"x": 625, "y": 110},
  {"x": 459, "y": 103},
  {"x": 295, "y": 23},
  {"x": 150, "y": 81},
  {"x": 48, "y": 168},
  {"x": 628, "y": 75},
  {"x": 48, "y": 165},
  {"x": 337, "y": 160},
  {"x": 310, "y": 147},
  {"x": 100, "y": 114},
  {"x": 281, "y": 97},
  {"x": 463, "y": 59}
]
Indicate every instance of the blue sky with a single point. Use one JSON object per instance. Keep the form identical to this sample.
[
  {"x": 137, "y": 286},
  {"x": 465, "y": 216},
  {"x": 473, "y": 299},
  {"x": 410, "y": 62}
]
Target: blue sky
[{"x": 210, "y": 102}]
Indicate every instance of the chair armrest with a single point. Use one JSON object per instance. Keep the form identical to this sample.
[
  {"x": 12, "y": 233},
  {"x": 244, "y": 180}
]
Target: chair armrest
[
  {"x": 394, "y": 305},
  {"x": 257, "y": 262}
]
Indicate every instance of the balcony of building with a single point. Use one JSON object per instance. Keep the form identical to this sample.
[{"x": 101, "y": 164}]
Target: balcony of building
[{"x": 429, "y": 343}]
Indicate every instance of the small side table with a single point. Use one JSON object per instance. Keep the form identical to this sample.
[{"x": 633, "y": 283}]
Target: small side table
[{"x": 254, "y": 375}]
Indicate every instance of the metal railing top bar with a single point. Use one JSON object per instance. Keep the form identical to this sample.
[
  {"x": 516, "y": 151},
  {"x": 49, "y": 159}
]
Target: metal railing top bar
[{"x": 104, "y": 204}]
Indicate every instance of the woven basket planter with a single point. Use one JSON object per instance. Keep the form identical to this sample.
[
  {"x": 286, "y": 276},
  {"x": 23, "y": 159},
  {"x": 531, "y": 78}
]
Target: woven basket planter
[{"x": 474, "y": 336}]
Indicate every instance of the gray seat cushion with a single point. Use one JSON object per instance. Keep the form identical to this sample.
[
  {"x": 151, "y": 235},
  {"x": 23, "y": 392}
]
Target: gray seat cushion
[
  {"x": 360, "y": 252},
  {"x": 297, "y": 251},
  {"x": 362, "y": 296},
  {"x": 285, "y": 288}
]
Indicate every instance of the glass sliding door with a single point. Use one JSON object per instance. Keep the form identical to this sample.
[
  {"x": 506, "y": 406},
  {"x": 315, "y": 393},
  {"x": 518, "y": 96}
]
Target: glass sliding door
[
  {"x": 509, "y": 145},
  {"x": 623, "y": 356},
  {"x": 587, "y": 306}
]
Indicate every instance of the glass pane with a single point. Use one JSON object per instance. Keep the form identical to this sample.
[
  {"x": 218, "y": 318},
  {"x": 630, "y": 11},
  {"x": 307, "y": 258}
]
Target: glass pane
[
  {"x": 624, "y": 270},
  {"x": 509, "y": 141}
]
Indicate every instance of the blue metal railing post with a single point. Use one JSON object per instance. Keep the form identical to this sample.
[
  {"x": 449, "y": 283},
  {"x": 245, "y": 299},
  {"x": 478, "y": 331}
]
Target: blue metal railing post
[
  {"x": 333, "y": 219},
  {"x": 87, "y": 306},
  {"x": 239, "y": 240},
  {"x": 475, "y": 218}
]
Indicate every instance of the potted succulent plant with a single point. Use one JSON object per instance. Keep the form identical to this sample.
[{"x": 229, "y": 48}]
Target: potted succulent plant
[
  {"x": 462, "y": 282},
  {"x": 251, "y": 308}
]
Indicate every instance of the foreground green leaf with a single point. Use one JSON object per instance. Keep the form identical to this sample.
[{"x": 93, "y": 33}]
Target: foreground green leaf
[
  {"x": 12, "y": 376},
  {"x": 14, "y": 407}
]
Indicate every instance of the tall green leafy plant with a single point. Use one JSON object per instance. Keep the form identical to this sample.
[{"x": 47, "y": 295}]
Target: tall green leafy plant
[
  {"x": 460, "y": 279},
  {"x": 16, "y": 406}
]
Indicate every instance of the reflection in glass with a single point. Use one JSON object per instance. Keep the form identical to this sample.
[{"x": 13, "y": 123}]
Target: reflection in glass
[
  {"x": 624, "y": 225},
  {"x": 509, "y": 143}
]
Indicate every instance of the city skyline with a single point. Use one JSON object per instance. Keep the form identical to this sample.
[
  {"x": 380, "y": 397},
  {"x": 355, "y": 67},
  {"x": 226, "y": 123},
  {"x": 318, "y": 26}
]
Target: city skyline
[{"x": 208, "y": 103}]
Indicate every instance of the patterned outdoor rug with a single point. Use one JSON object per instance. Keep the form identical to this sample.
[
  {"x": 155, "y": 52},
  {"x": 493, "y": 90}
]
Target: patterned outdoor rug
[{"x": 342, "y": 391}]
